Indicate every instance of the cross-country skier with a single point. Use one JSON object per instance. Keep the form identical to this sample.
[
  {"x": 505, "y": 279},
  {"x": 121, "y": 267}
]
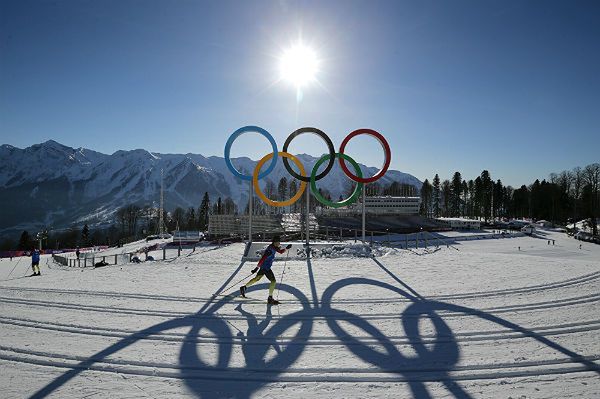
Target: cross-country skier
[
  {"x": 264, "y": 269},
  {"x": 35, "y": 262}
]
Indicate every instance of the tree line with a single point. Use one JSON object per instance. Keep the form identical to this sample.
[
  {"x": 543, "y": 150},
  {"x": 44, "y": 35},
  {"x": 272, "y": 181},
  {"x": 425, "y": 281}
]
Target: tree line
[
  {"x": 133, "y": 221},
  {"x": 66, "y": 238},
  {"x": 571, "y": 195}
]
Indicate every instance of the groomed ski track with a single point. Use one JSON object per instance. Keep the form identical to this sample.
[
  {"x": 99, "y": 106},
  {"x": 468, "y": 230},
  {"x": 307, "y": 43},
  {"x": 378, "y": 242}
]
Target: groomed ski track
[{"x": 485, "y": 321}]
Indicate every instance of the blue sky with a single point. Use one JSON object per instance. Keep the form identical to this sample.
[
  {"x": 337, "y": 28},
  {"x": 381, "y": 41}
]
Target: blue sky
[{"x": 511, "y": 86}]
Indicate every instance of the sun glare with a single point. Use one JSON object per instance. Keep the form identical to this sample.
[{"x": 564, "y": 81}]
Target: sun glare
[{"x": 299, "y": 65}]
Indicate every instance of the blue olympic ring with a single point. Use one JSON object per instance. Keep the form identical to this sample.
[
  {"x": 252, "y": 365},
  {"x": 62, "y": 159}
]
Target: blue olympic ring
[{"x": 234, "y": 136}]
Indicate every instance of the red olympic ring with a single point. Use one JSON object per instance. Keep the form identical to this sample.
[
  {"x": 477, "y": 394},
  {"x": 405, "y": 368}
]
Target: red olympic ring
[{"x": 384, "y": 145}]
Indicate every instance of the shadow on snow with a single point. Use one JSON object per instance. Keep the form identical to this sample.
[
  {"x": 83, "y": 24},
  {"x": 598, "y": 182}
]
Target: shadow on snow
[{"x": 431, "y": 363}]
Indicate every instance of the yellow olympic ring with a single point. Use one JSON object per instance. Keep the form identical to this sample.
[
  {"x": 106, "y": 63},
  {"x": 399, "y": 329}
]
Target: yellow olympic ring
[{"x": 259, "y": 192}]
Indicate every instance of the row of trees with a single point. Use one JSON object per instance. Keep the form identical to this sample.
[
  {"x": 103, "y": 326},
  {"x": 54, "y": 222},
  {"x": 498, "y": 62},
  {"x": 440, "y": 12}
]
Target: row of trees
[
  {"x": 133, "y": 219},
  {"x": 68, "y": 238},
  {"x": 565, "y": 196}
]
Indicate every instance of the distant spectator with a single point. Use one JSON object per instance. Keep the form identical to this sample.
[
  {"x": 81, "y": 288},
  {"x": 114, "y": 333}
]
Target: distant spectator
[{"x": 77, "y": 252}]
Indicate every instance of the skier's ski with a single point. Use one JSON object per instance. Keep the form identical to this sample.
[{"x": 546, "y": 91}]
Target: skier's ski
[
  {"x": 238, "y": 298},
  {"x": 18, "y": 278}
]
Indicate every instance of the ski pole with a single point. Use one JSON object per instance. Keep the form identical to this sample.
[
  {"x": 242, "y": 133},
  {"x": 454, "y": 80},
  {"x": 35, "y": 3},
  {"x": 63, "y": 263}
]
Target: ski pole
[
  {"x": 27, "y": 270},
  {"x": 282, "y": 273},
  {"x": 15, "y": 266},
  {"x": 232, "y": 285}
]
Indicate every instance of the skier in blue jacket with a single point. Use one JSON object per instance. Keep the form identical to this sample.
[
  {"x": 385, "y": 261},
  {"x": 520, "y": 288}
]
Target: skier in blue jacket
[
  {"x": 264, "y": 269},
  {"x": 35, "y": 262}
]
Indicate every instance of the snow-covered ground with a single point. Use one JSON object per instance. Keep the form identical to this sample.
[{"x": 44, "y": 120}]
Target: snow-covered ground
[
  {"x": 583, "y": 226},
  {"x": 481, "y": 319}
]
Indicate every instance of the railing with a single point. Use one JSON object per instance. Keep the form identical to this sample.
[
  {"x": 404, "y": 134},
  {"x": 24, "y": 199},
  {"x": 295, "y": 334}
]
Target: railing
[{"x": 99, "y": 260}]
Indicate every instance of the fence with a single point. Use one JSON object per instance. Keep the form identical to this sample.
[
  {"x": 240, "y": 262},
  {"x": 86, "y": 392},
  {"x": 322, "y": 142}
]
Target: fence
[{"x": 99, "y": 260}]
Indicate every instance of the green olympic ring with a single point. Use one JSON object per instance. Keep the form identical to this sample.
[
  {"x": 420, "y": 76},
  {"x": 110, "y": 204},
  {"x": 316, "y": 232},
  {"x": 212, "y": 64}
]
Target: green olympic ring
[{"x": 313, "y": 182}]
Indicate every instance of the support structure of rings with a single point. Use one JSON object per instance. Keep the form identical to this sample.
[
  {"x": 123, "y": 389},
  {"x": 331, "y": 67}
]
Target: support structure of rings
[{"x": 304, "y": 178}]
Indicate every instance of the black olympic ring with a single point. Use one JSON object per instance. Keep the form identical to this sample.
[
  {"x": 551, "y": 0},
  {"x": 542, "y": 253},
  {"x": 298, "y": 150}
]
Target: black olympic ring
[{"x": 325, "y": 138}]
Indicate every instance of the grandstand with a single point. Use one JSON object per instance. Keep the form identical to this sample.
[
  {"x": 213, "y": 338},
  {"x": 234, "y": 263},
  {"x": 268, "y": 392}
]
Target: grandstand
[
  {"x": 285, "y": 224},
  {"x": 383, "y": 223}
]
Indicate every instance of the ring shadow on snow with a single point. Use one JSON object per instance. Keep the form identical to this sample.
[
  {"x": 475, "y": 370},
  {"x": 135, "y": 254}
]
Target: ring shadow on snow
[{"x": 431, "y": 363}]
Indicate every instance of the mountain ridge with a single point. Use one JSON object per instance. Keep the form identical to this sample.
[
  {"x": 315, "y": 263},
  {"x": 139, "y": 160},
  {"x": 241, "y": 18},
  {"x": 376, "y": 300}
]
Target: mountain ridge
[{"x": 51, "y": 184}]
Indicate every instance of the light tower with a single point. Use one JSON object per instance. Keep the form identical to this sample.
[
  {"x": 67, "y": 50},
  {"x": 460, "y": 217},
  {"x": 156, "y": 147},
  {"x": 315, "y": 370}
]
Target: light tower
[{"x": 161, "y": 219}]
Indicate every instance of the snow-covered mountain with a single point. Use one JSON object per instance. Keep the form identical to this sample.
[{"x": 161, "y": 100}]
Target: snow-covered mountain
[{"x": 50, "y": 184}]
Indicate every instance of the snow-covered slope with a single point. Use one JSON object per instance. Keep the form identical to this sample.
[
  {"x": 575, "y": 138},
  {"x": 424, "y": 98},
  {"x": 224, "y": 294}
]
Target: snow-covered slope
[
  {"x": 50, "y": 184},
  {"x": 486, "y": 321}
]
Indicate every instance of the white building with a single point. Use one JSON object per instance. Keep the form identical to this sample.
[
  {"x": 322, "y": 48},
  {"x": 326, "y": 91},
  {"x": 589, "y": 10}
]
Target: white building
[
  {"x": 529, "y": 229},
  {"x": 392, "y": 205},
  {"x": 461, "y": 224},
  {"x": 384, "y": 205}
]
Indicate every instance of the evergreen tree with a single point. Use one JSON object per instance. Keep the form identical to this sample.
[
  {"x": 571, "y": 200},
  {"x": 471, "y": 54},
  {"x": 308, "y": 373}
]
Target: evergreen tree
[
  {"x": 229, "y": 207},
  {"x": 498, "y": 196},
  {"x": 178, "y": 218},
  {"x": 446, "y": 198},
  {"x": 293, "y": 190},
  {"x": 507, "y": 201},
  {"x": 487, "y": 192},
  {"x": 479, "y": 196},
  {"x": 471, "y": 207},
  {"x": 7, "y": 244},
  {"x": 204, "y": 212},
  {"x": 426, "y": 194},
  {"x": 25, "y": 242},
  {"x": 218, "y": 207},
  {"x": 270, "y": 191},
  {"x": 85, "y": 235},
  {"x": 465, "y": 198},
  {"x": 373, "y": 189},
  {"x": 190, "y": 217},
  {"x": 591, "y": 175},
  {"x": 456, "y": 193},
  {"x": 577, "y": 184},
  {"x": 521, "y": 201},
  {"x": 535, "y": 199},
  {"x": 436, "y": 196},
  {"x": 282, "y": 191}
]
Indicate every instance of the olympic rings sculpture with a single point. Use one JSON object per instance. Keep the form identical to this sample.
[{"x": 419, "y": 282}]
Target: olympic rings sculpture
[{"x": 303, "y": 176}]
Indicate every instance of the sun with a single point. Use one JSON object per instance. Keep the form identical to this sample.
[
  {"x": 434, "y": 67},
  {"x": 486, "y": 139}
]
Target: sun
[{"x": 299, "y": 65}]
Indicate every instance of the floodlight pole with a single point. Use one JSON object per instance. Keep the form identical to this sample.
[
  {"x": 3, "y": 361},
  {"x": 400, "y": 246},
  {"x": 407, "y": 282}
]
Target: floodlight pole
[
  {"x": 364, "y": 207},
  {"x": 250, "y": 206}
]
